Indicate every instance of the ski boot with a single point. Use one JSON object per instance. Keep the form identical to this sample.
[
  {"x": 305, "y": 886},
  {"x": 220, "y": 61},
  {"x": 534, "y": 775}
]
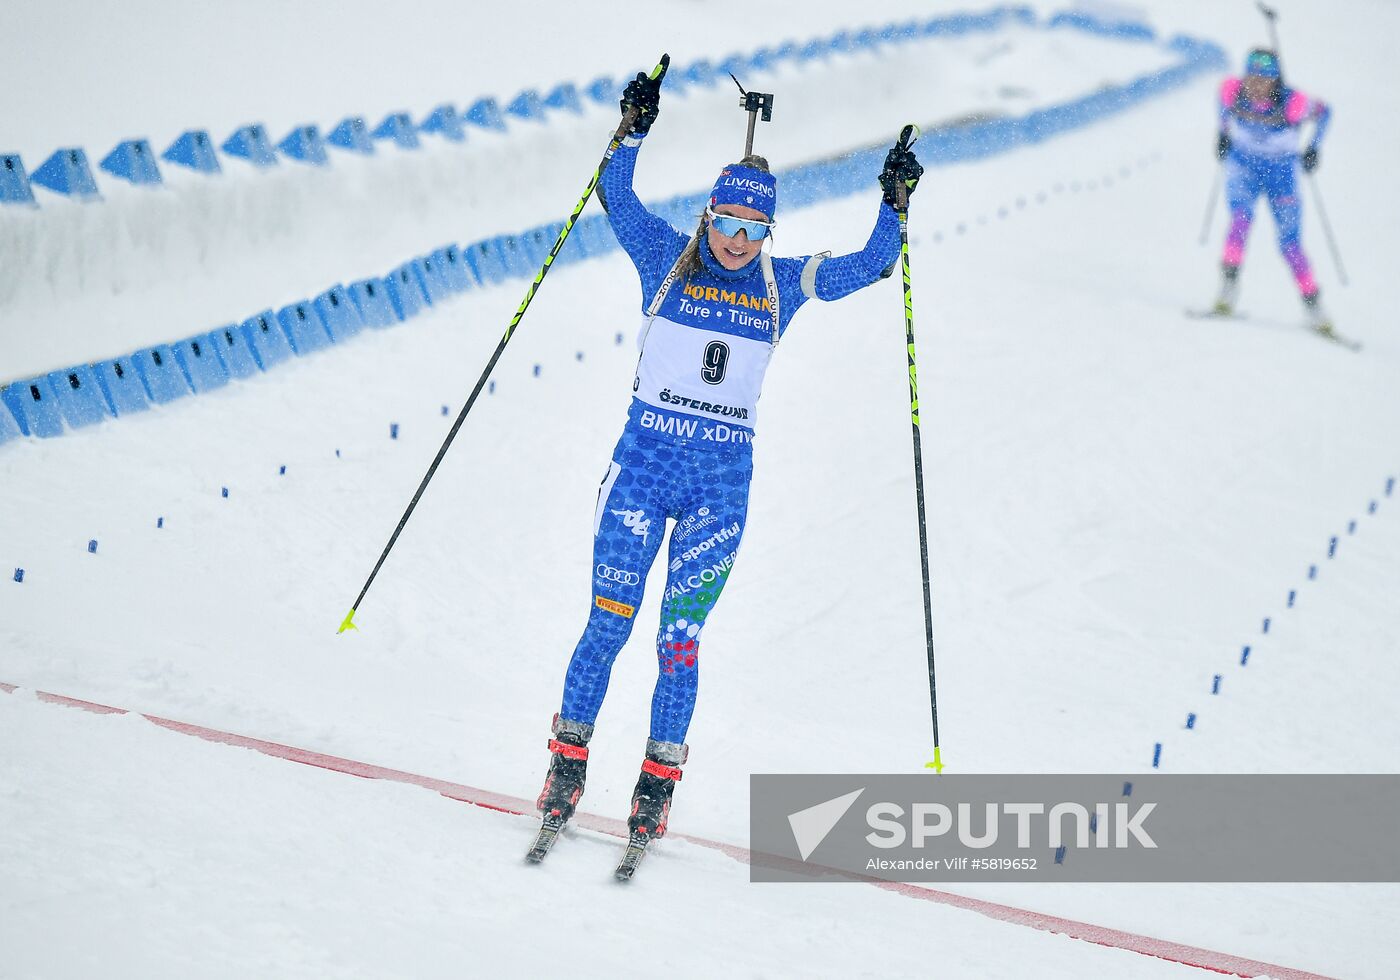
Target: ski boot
[
  {"x": 1317, "y": 316},
  {"x": 651, "y": 801},
  {"x": 1229, "y": 290},
  {"x": 568, "y": 767}
]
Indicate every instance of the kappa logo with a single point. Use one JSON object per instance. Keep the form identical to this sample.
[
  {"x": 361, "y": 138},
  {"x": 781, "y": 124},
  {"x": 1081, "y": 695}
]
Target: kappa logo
[
  {"x": 607, "y": 573},
  {"x": 636, "y": 520}
]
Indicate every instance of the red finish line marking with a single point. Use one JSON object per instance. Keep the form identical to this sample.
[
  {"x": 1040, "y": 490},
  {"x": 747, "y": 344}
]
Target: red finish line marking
[{"x": 1193, "y": 956}]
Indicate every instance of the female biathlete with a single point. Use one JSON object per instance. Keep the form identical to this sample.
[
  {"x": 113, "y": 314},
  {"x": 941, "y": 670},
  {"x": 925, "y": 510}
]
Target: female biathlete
[
  {"x": 716, "y": 305},
  {"x": 1260, "y": 118}
]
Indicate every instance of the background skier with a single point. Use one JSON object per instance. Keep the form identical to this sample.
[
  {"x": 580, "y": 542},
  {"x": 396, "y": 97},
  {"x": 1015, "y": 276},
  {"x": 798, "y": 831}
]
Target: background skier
[
  {"x": 1260, "y": 119},
  {"x": 715, "y": 305}
]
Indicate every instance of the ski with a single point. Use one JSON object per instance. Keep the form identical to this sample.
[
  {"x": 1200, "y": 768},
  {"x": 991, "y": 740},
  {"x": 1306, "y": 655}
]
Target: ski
[
  {"x": 636, "y": 849},
  {"x": 1329, "y": 334},
  {"x": 544, "y": 840},
  {"x": 1338, "y": 339},
  {"x": 1215, "y": 315}
]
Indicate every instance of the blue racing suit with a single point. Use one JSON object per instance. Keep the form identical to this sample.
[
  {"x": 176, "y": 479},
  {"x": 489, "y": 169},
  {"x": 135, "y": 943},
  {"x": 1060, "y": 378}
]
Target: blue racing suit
[
  {"x": 1263, "y": 160},
  {"x": 686, "y": 450}
]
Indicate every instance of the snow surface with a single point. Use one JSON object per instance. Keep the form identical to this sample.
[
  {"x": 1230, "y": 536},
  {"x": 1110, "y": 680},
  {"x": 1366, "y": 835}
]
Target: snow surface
[{"x": 1117, "y": 497}]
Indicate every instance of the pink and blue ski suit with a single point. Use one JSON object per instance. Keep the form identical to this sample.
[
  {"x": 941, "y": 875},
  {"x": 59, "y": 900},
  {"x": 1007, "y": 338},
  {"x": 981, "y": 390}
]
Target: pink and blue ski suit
[{"x": 1263, "y": 159}]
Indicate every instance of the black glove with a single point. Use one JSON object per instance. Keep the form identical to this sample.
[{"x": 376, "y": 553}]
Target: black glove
[
  {"x": 900, "y": 166},
  {"x": 643, "y": 93},
  {"x": 1222, "y": 146},
  {"x": 1310, "y": 160}
]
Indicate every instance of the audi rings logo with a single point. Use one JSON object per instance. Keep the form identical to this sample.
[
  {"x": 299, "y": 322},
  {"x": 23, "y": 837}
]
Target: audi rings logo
[{"x": 607, "y": 573}]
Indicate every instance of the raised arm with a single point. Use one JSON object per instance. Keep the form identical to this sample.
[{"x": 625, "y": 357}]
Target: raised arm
[
  {"x": 649, "y": 240},
  {"x": 834, "y": 278}
]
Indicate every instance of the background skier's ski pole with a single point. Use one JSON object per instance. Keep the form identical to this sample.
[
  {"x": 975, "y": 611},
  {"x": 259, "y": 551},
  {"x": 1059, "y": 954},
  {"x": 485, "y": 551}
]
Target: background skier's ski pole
[
  {"x": 906, "y": 138},
  {"x": 658, "y": 72},
  {"x": 1327, "y": 230},
  {"x": 1210, "y": 204},
  {"x": 1271, "y": 16}
]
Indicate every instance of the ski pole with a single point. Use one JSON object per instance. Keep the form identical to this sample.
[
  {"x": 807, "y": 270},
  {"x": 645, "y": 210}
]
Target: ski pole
[
  {"x": 1327, "y": 229},
  {"x": 628, "y": 118},
  {"x": 901, "y": 193},
  {"x": 1210, "y": 205}
]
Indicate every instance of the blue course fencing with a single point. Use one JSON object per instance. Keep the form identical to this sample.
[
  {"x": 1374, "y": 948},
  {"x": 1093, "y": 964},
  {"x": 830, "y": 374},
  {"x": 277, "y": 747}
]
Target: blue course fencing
[
  {"x": 42, "y": 407},
  {"x": 132, "y": 160}
]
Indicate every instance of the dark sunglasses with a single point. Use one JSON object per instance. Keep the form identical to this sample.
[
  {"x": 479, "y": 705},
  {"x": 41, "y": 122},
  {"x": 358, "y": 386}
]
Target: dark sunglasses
[{"x": 729, "y": 226}]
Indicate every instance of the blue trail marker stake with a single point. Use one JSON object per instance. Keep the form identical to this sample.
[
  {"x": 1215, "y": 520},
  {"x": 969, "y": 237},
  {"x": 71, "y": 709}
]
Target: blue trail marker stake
[
  {"x": 1244, "y": 657},
  {"x": 19, "y": 575},
  {"x": 537, "y": 370},
  {"x": 393, "y": 430},
  {"x": 92, "y": 546},
  {"x": 1389, "y": 485},
  {"x": 1266, "y": 624},
  {"x": 1312, "y": 571},
  {"x": 1190, "y": 719},
  {"x": 1332, "y": 548},
  {"x": 1215, "y": 685},
  {"x": 1351, "y": 527},
  {"x": 225, "y": 492},
  {"x": 160, "y": 522},
  {"x": 1127, "y": 789},
  {"x": 444, "y": 410},
  {"x": 1060, "y": 854},
  {"x": 1372, "y": 508},
  {"x": 282, "y": 470},
  {"x": 1156, "y": 755},
  {"x": 1292, "y": 594}
]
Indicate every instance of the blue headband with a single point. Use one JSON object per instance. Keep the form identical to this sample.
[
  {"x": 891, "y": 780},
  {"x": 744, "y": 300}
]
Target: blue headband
[{"x": 751, "y": 188}]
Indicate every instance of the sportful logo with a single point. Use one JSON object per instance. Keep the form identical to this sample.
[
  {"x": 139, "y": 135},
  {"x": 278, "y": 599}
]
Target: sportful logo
[
  {"x": 696, "y": 550},
  {"x": 607, "y": 573},
  {"x": 637, "y": 520}
]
